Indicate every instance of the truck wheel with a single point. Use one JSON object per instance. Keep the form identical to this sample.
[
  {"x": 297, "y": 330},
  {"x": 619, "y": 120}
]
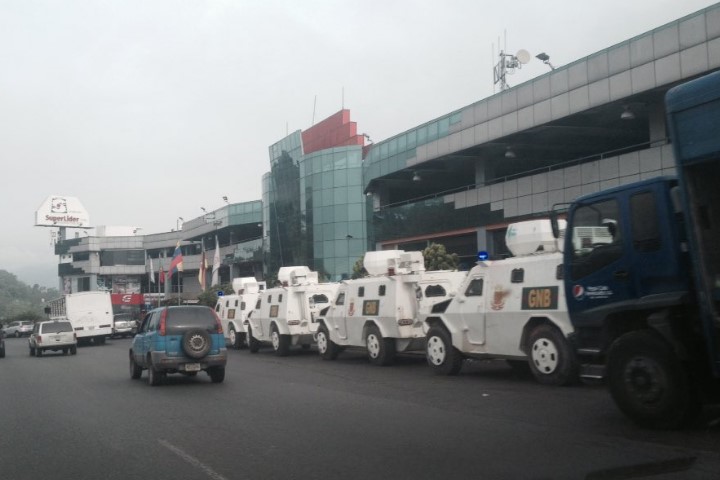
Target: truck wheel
[
  {"x": 232, "y": 336},
  {"x": 381, "y": 351},
  {"x": 38, "y": 352},
  {"x": 135, "y": 369},
  {"x": 552, "y": 360},
  {"x": 327, "y": 349},
  {"x": 252, "y": 344},
  {"x": 443, "y": 358},
  {"x": 280, "y": 343},
  {"x": 32, "y": 352},
  {"x": 217, "y": 374},
  {"x": 73, "y": 350},
  {"x": 648, "y": 382}
]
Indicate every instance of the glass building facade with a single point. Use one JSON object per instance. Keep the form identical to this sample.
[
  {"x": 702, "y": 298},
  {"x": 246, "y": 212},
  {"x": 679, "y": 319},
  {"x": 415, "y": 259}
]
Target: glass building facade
[{"x": 314, "y": 209}]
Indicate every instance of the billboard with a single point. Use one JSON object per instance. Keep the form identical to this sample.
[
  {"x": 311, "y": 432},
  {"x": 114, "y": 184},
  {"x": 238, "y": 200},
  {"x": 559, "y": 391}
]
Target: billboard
[{"x": 62, "y": 211}]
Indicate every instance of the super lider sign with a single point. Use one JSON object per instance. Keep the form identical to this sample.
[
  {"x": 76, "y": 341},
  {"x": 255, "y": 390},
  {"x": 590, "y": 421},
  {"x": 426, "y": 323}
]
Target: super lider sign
[{"x": 540, "y": 298}]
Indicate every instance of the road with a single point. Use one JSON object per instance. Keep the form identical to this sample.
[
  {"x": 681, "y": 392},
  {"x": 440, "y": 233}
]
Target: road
[{"x": 82, "y": 417}]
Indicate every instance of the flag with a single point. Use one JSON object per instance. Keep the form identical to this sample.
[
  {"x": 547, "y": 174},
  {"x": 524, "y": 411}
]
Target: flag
[
  {"x": 152, "y": 272},
  {"x": 176, "y": 264},
  {"x": 216, "y": 264},
  {"x": 202, "y": 270},
  {"x": 161, "y": 275}
]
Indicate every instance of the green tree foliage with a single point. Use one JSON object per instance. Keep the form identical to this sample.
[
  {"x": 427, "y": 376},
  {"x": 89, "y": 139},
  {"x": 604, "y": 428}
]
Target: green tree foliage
[
  {"x": 359, "y": 269},
  {"x": 209, "y": 297},
  {"x": 19, "y": 301},
  {"x": 437, "y": 258}
]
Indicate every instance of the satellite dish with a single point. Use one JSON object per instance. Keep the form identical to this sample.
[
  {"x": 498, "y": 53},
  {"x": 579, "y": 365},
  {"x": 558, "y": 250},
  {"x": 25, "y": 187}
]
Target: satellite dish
[{"x": 523, "y": 56}]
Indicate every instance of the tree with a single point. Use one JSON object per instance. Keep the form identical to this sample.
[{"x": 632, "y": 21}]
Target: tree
[
  {"x": 209, "y": 297},
  {"x": 437, "y": 258},
  {"x": 359, "y": 269}
]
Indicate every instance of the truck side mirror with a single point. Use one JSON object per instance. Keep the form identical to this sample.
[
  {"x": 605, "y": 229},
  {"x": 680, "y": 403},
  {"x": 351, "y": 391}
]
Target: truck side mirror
[{"x": 554, "y": 224}]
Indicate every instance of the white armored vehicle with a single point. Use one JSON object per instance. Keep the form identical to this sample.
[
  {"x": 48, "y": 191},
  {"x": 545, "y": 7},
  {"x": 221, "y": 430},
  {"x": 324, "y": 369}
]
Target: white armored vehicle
[
  {"x": 511, "y": 309},
  {"x": 283, "y": 316},
  {"x": 233, "y": 309},
  {"x": 380, "y": 312}
]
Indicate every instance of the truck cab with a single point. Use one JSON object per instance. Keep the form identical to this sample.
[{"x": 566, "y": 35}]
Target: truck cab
[
  {"x": 646, "y": 306},
  {"x": 632, "y": 273}
]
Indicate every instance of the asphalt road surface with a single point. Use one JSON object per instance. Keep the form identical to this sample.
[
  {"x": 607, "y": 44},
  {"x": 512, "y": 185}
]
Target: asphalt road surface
[{"x": 299, "y": 417}]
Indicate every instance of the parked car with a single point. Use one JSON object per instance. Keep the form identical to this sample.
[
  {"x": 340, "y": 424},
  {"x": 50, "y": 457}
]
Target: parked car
[
  {"x": 54, "y": 335},
  {"x": 123, "y": 325},
  {"x": 19, "y": 328},
  {"x": 182, "y": 339}
]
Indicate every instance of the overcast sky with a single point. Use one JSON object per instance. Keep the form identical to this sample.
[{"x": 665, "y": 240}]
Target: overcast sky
[{"x": 147, "y": 110}]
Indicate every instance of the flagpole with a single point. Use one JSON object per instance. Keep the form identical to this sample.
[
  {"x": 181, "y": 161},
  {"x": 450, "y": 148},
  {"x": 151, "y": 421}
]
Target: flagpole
[{"x": 178, "y": 282}]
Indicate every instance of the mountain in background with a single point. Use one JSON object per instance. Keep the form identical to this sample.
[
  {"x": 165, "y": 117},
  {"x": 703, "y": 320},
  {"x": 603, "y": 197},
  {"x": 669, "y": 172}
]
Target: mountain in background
[{"x": 21, "y": 301}]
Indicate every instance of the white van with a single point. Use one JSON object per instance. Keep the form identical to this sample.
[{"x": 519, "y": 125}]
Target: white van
[
  {"x": 380, "y": 313},
  {"x": 90, "y": 313},
  {"x": 512, "y": 309},
  {"x": 233, "y": 310},
  {"x": 284, "y": 316}
]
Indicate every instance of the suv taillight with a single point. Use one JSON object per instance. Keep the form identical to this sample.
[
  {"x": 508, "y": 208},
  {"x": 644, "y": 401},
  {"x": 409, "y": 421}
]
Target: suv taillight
[
  {"x": 163, "y": 321},
  {"x": 219, "y": 323},
  {"x": 38, "y": 339}
]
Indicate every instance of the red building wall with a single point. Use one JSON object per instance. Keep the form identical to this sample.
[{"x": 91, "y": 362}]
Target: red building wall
[{"x": 335, "y": 131}]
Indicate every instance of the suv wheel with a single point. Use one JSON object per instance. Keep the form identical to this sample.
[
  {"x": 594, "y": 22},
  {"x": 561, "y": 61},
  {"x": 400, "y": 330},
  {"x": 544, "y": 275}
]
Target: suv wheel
[
  {"x": 154, "y": 376},
  {"x": 196, "y": 343},
  {"x": 217, "y": 374},
  {"x": 135, "y": 369}
]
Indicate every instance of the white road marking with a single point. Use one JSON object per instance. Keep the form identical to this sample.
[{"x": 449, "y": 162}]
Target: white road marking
[{"x": 191, "y": 460}]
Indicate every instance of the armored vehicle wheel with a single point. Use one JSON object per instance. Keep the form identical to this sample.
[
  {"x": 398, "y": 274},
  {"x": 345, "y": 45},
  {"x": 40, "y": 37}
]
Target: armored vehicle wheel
[
  {"x": 552, "y": 360},
  {"x": 233, "y": 337},
  {"x": 443, "y": 358},
  {"x": 252, "y": 344},
  {"x": 327, "y": 349},
  {"x": 381, "y": 351},
  {"x": 649, "y": 383},
  {"x": 280, "y": 343}
]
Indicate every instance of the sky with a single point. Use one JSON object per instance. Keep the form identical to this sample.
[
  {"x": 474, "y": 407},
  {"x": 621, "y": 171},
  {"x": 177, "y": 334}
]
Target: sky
[{"x": 148, "y": 110}]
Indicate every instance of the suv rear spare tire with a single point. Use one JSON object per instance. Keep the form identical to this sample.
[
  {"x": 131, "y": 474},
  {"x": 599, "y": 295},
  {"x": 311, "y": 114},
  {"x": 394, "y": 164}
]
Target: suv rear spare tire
[{"x": 196, "y": 343}]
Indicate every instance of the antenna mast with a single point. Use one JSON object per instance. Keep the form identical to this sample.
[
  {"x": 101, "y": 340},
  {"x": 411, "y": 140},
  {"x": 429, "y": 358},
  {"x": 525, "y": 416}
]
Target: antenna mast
[{"x": 507, "y": 65}]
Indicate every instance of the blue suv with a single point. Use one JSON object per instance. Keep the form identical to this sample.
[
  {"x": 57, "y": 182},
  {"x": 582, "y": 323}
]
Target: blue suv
[{"x": 182, "y": 339}]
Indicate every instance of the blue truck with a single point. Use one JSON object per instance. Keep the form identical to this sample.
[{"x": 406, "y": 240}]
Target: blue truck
[{"x": 641, "y": 273}]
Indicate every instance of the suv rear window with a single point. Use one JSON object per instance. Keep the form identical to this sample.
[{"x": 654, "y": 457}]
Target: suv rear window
[
  {"x": 56, "y": 327},
  {"x": 181, "y": 319}
]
